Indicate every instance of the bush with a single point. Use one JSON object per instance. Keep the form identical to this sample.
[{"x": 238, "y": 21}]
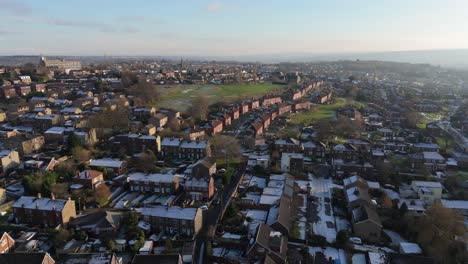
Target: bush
[
  {"x": 342, "y": 237},
  {"x": 317, "y": 240}
]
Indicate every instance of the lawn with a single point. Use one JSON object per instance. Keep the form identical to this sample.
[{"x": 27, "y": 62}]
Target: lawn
[
  {"x": 180, "y": 96},
  {"x": 462, "y": 175},
  {"x": 317, "y": 113},
  {"x": 424, "y": 121}
]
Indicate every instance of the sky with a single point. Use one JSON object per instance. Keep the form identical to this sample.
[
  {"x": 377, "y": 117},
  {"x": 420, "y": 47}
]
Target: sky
[{"x": 229, "y": 27}]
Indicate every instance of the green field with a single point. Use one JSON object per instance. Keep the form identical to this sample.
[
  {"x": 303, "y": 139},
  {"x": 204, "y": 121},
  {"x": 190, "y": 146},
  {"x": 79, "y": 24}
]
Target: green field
[
  {"x": 317, "y": 113},
  {"x": 180, "y": 96}
]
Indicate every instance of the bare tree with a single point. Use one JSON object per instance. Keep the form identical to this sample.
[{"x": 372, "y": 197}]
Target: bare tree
[
  {"x": 144, "y": 93},
  {"x": 412, "y": 118},
  {"x": 81, "y": 154},
  {"x": 435, "y": 232},
  {"x": 200, "y": 107},
  {"x": 225, "y": 148}
]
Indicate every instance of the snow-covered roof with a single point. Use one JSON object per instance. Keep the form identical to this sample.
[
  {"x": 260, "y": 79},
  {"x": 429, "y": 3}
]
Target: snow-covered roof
[
  {"x": 427, "y": 145},
  {"x": 194, "y": 144},
  {"x": 170, "y": 142},
  {"x": 55, "y": 130},
  {"x": 174, "y": 212},
  {"x": 273, "y": 191},
  {"x": 110, "y": 163},
  {"x": 269, "y": 199},
  {"x": 410, "y": 248},
  {"x": 155, "y": 177},
  {"x": 432, "y": 155},
  {"x": 46, "y": 204},
  {"x": 455, "y": 204},
  {"x": 426, "y": 184}
]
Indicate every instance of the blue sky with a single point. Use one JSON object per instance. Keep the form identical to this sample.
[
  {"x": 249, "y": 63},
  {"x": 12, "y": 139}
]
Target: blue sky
[{"x": 230, "y": 27}]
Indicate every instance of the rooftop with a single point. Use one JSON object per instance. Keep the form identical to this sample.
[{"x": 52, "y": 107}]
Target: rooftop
[{"x": 173, "y": 212}]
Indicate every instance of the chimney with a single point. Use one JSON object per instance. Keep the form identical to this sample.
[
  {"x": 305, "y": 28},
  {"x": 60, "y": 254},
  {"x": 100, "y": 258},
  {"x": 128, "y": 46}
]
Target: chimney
[
  {"x": 52, "y": 196},
  {"x": 39, "y": 195}
]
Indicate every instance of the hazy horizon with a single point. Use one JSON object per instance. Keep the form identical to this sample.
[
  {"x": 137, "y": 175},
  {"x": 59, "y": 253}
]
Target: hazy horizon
[{"x": 228, "y": 28}]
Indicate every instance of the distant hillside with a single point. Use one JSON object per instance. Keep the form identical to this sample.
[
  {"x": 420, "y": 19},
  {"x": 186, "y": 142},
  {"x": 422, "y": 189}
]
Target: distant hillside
[{"x": 445, "y": 58}]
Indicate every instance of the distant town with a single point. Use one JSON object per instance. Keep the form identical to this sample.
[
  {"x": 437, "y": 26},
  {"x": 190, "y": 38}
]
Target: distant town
[{"x": 147, "y": 160}]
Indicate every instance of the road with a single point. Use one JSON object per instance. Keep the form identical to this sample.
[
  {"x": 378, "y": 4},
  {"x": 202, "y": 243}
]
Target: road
[{"x": 215, "y": 212}]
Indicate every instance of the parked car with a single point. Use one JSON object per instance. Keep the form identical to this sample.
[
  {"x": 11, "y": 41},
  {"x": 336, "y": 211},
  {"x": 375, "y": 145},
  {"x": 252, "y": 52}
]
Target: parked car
[{"x": 355, "y": 240}]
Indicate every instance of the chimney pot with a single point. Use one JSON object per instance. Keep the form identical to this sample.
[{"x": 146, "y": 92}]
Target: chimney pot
[{"x": 39, "y": 195}]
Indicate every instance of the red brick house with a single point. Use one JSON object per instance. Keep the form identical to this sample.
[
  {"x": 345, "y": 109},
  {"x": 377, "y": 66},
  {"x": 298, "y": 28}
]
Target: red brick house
[
  {"x": 266, "y": 120},
  {"x": 283, "y": 109},
  {"x": 214, "y": 127},
  {"x": 43, "y": 211},
  {"x": 268, "y": 244},
  {"x": 39, "y": 87},
  {"x": 254, "y": 104},
  {"x": 257, "y": 128},
  {"x": 271, "y": 101},
  {"x": 8, "y": 92},
  {"x": 27, "y": 257},
  {"x": 244, "y": 108},
  {"x": 23, "y": 90},
  {"x": 235, "y": 112},
  {"x": 226, "y": 119},
  {"x": 7, "y": 243},
  {"x": 89, "y": 178},
  {"x": 301, "y": 106}
]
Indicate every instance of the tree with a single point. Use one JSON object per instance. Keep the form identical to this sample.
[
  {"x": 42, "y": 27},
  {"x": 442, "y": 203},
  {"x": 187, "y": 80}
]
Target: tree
[
  {"x": 40, "y": 183},
  {"x": 145, "y": 162},
  {"x": 342, "y": 237},
  {"x": 128, "y": 79},
  {"x": 81, "y": 154},
  {"x": 403, "y": 209},
  {"x": 73, "y": 141},
  {"x": 435, "y": 232},
  {"x": 111, "y": 244},
  {"x": 412, "y": 118},
  {"x": 117, "y": 120},
  {"x": 144, "y": 93},
  {"x": 200, "y": 107},
  {"x": 1, "y": 81},
  {"x": 225, "y": 148},
  {"x": 168, "y": 246},
  {"x": 102, "y": 194},
  {"x": 60, "y": 237},
  {"x": 325, "y": 130},
  {"x": 384, "y": 169},
  {"x": 50, "y": 179}
]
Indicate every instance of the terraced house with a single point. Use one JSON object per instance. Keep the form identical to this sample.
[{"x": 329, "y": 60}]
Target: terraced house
[{"x": 38, "y": 211}]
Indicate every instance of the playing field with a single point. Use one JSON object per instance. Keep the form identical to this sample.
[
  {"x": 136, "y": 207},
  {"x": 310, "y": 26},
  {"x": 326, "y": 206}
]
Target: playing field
[
  {"x": 180, "y": 96},
  {"x": 316, "y": 113}
]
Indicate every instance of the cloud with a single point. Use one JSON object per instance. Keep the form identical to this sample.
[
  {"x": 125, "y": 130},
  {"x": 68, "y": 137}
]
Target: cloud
[
  {"x": 213, "y": 7},
  {"x": 15, "y": 7}
]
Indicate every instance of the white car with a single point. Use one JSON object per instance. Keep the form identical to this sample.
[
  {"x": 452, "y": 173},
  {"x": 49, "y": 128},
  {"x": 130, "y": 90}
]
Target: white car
[
  {"x": 204, "y": 207},
  {"x": 355, "y": 240}
]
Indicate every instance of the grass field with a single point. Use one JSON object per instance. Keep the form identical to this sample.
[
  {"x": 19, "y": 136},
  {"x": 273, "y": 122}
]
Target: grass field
[
  {"x": 462, "y": 175},
  {"x": 180, "y": 96},
  {"x": 317, "y": 113}
]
